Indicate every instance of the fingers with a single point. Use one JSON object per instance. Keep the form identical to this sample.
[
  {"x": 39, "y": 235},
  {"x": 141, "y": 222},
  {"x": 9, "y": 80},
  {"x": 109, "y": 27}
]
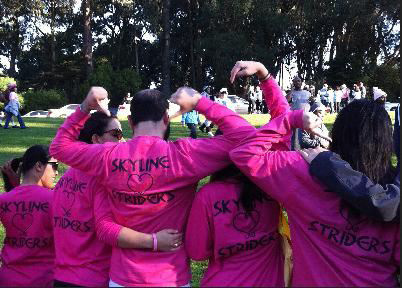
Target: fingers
[
  {"x": 235, "y": 71},
  {"x": 304, "y": 154}
]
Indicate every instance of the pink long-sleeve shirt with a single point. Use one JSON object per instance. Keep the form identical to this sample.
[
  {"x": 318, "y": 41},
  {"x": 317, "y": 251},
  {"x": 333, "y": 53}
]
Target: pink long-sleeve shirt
[
  {"x": 152, "y": 184},
  {"x": 243, "y": 249},
  {"x": 28, "y": 252},
  {"x": 81, "y": 217},
  {"x": 331, "y": 245}
]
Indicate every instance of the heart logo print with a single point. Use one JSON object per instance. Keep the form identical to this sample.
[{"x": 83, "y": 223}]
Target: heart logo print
[
  {"x": 246, "y": 222},
  {"x": 352, "y": 221},
  {"x": 68, "y": 202},
  {"x": 140, "y": 183},
  {"x": 22, "y": 222}
]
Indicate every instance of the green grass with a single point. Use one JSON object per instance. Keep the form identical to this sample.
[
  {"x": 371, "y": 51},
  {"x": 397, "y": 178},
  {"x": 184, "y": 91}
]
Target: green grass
[{"x": 41, "y": 131}]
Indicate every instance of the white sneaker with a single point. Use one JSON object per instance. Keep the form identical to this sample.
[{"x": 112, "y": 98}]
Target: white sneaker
[{"x": 210, "y": 134}]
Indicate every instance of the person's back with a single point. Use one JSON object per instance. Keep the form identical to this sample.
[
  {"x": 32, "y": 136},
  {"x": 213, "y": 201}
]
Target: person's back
[
  {"x": 243, "y": 248},
  {"x": 332, "y": 245},
  {"x": 151, "y": 181},
  {"x": 81, "y": 258},
  {"x": 28, "y": 253}
]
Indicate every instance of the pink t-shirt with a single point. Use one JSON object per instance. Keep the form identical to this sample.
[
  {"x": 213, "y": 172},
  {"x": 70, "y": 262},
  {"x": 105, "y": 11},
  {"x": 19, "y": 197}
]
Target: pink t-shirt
[
  {"x": 243, "y": 249},
  {"x": 81, "y": 212},
  {"x": 331, "y": 246},
  {"x": 152, "y": 184},
  {"x": 28, "y": 252}
]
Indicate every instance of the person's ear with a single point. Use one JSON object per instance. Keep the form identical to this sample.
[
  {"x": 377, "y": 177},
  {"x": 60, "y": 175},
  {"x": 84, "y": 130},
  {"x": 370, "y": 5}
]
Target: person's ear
[
  {"x": 96, "y": 139},
  {"x": 130, "y": 122},
  {"x": 166, "y": 118},
  {"x": 39, "y": 167}
]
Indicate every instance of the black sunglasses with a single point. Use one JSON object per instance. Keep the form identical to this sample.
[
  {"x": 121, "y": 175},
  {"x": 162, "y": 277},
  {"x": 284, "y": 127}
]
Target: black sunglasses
[
  {"x": 116, "y": 133},
  {"x": 55, "y": 165}
]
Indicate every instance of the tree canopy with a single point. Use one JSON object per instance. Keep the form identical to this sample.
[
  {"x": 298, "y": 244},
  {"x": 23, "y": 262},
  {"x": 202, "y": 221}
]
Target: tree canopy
[{"x": 70, "y": 44}]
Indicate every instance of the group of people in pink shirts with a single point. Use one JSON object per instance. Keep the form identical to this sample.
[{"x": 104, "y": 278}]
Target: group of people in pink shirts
[{"x": 129, "y": 214}]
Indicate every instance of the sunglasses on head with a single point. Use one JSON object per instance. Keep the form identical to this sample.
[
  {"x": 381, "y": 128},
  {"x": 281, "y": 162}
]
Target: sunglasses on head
[
  {"x": 55, "y": 165},
  {"x": 116, "y": 133}
]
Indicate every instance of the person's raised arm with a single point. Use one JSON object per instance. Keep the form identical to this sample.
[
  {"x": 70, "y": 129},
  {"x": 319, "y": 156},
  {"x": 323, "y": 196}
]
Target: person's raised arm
[
  {"x": 373, "y": 200},
  {"x": 255, "y": 158},
  {"x": 274, "y": 99},
  {"x": 67, "y": 149}
]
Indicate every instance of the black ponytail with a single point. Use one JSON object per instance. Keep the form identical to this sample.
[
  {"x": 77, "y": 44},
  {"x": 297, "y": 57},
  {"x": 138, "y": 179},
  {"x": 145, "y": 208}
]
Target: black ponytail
[{"x": 249, "y": 194}]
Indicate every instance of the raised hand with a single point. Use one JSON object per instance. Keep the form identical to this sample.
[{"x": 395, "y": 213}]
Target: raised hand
[
  {"x": 169, "y": 240},
  {"x": 13, "y": 177},
  {"x": 311, "y": 153},
  {"x": 94, "y": 100},
  {"x": 187, "y": 98},
  {"x": 248, "y": 68},
  {"x": 311, "y": 121}
]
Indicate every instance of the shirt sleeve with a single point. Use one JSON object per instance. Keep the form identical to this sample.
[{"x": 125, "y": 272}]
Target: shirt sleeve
[
  {"x": 254, "y": 158},
  {"x": 198, "y": 158},
  {"x": 106, "y": 229},
  {"x": 306, "y": 141},
  {"x": 354, "y": 187},
  {"x": 274, "y": 98},
  {"x": 66, "y": 148},
  {"x": 199, "y": 235}
]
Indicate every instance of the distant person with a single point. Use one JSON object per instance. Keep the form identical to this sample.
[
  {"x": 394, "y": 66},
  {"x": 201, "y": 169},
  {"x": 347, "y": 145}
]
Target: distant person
[
  {"x": 338, "y": 98},
  {"x": 191, "y": 119},
  {"x": 345, "y": 96},
  {"x": 379, "y": 96},
  {"x": 13, "y": 106},
  {"x": 323, "y": 93},
  {"x": 259, "y": 100},
  {"x": 363, "y": 90},
  {"x": 299, "y": 101},
  {"x": 206, "y": 92},
  {"x": 356, "y": 94},
  {"x": 251, "y": 100}
]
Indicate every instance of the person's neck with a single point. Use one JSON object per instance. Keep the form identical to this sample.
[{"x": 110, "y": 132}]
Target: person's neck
[
  {"x": 31, "y": 180},
  {"x": 149, "y": 128}
]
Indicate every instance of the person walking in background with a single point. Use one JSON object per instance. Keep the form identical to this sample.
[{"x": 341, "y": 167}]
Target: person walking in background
[
  {"x": 331, "y": 101},
  {"x": 13, "y": 106},
  {"x": 337, "y": 98},
  {"x": 345, "y": 96},
  {"x": 251, "y": 100},
  {"x": 191, "y": 119}
]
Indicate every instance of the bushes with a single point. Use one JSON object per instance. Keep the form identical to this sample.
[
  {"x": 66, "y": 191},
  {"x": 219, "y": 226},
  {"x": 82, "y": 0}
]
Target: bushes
[{"x": 43, "y": 100}]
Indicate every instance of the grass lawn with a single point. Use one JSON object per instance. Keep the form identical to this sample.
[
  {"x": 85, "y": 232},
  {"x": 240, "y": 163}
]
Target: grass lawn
[{"x": 13, "y": 143}]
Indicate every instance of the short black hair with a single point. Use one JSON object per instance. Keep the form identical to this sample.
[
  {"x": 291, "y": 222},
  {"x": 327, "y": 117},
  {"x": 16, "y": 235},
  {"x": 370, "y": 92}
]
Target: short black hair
[
  {"x": 148, "y": 105},
  {"x": 95, "y": 125}
]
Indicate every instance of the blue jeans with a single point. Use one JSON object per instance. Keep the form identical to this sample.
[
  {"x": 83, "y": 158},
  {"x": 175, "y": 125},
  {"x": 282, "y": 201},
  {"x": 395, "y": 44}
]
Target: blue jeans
[
  {"x": 8, "y": 119},
  {"x": 193, "y": 130}
]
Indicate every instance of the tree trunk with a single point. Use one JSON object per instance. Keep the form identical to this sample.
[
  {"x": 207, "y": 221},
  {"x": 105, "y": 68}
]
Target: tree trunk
[
  {"x": 87, "y": 41},
  {"x": 191, "y": 20},
  {"x": 166, "y": 48},
  {"x": 53, "y": 38},
  {"x": 15, "y": 39}
]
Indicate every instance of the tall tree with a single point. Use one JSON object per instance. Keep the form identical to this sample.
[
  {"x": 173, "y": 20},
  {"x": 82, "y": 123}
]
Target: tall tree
[
  {"x": 166, "y": 47},
  {"x": 87, "y": 36}
]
